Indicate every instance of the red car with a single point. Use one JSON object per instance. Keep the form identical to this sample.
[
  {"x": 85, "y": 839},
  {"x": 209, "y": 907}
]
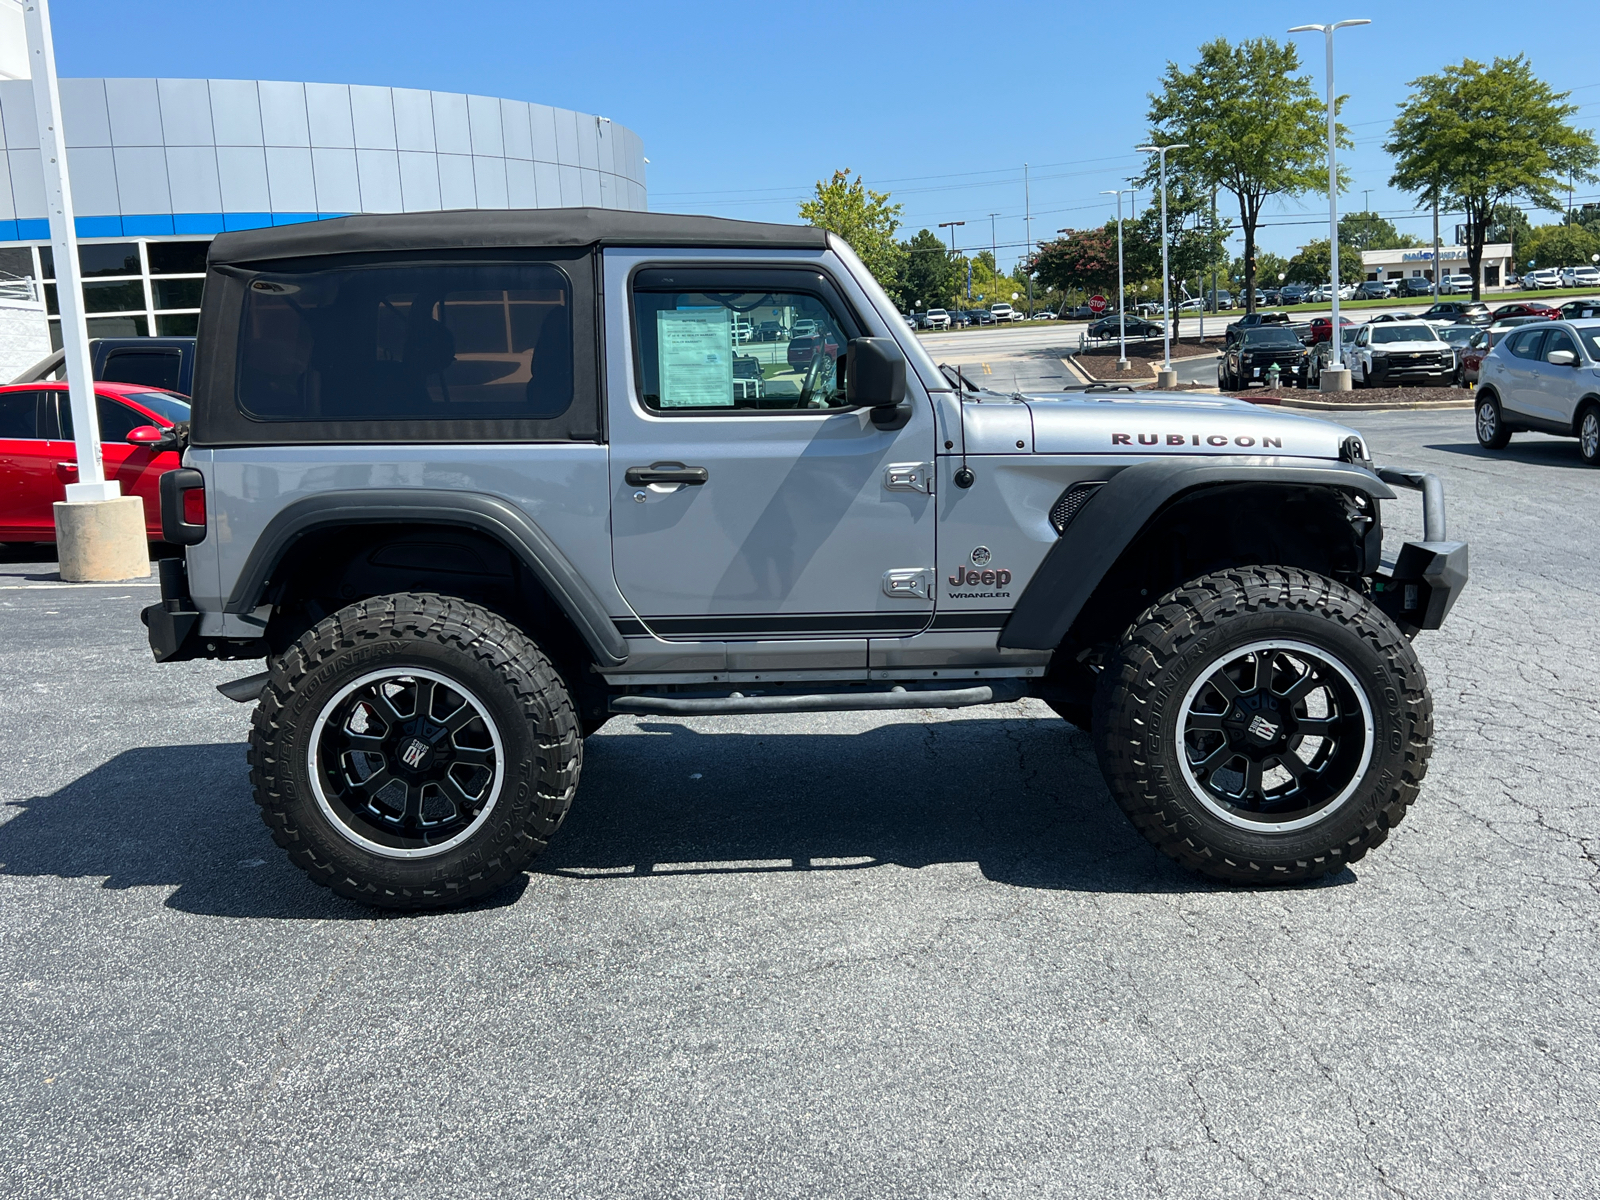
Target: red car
[
  {"x": 1320, "y": 327},
  {"x": 1526, "y": 308},
  {"x": 801, "y": 349},
  {"x": 38, "y": 458}
]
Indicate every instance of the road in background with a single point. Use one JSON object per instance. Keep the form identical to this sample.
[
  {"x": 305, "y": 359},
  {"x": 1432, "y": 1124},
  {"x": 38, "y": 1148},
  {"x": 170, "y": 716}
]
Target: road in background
[{"x": 816, "y": 956}]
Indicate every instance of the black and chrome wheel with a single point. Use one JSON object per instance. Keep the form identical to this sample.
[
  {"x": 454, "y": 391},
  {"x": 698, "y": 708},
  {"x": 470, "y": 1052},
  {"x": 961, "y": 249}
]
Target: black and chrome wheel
[
  {"x": 1589, "y": 435},
  {"x": 1264, "y": 724},
  {"x": 1276, "y": 735},
  {"x": 414, "y": 751},
  {"x": 406, "y": 763},
  {"x": 1490, "y": 424}
]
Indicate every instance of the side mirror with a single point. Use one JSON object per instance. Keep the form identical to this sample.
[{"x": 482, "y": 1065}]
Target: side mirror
[
  {"x": 144, "y": 435},
  {"x": 875, "y": 378},
  {"x": 1562, "y": 358}
]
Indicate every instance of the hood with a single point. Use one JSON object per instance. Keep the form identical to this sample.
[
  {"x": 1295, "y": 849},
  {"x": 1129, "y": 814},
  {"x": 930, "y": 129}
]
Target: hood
[{"x": 1151, "y": 423}]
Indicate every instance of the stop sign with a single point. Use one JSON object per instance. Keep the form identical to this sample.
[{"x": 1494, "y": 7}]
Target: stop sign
[{"x": 1097, "y": 304}]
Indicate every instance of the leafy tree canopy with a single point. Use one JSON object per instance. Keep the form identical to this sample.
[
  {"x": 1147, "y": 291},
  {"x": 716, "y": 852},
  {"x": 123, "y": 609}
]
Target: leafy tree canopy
[
  {"x": 1369, "y": 231},
  {"x": 1508, "y": 223},
  {"x": 1255, "y": 127},
  {"x": 927, "y": 276},
  {"x": 1557, "y": 246},
  {"x": 1474, "y": 137},
  {"x": 1311, "y": 263},
  {"x": 862, "y": 217},
  {"x": 1081, "y": 260}
]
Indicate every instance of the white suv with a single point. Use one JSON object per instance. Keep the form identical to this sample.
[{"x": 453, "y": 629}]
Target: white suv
[
  {"x": 1547, "y": 278},
  {"x": 1002, "y": 313},
  {"x": 938, "y": 318},
  {"x": 1543, "y": 378},
  {"x": 1577, "y": 277},
  {"x": 1391, "y": 353}
]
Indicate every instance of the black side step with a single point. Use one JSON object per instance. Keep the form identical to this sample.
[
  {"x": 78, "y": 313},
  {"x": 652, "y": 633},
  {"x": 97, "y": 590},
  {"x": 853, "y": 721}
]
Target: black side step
[
  {"x": 246, "y": 690},
  {"x": 896, "y": 697}
]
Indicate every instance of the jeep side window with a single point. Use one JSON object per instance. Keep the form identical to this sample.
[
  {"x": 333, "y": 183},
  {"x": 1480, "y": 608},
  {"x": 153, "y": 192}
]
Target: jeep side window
[
  {"x": 694, "y": 355},
  {"x": 447, "y": 341}
]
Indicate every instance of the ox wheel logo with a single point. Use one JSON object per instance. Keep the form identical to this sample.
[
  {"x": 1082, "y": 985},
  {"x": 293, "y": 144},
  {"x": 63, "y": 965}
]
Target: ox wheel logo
[
  {"x": 981, "y": 556},
  {"x": 414, "y": 751},
  {"x": 1262, "y": 728}
]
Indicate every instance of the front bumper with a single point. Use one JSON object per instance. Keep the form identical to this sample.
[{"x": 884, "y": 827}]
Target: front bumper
[
  {"x": 1396, "y": 371},
  {"x": 1420, "y": 586}
]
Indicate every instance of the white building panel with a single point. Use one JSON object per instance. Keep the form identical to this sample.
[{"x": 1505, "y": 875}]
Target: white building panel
[
  {"x": 413, "y": 119},
  {"x": 134, "y": 106},
  {"x": 547, "y": 179},
  {"x": 185, "y": 113},
  {"x": 192, "y": 176},
  {"x": 141, "y": 177},
  {"x": 283, "y": 114},
  {"x": 542, "y": 123},
  {"x": 27, "y": 183},
  {"x": 522, "y": 188},
  {"x": 483, "y": 114},
  {"x": 235, "y": 112},
  {"x": 242, "y": 179},
  {"x": 515, "y": 129},
  {"x": 372, "y": 113},
  {"x": 566, "y": 137},
  {"x": 588, "y": 141},
  {"x": 16, "y": 113},
  {"x": 84, "y": 118},
  {"x": 93, "y": 172},
  {"x": 456, "y": 186},
  {"x": 591, "y": 187},
  {"x": 419, "y": 181},
  {"x": 289, "y": 179},
  {"x": 379, "y": 173},
  {"x": 328, "y": 115},
  {"x": 571, "y": 186},
  {"x": 452, "y": 128},
  {"x": 338, "y": 185},
  {"x": 489, "y": 179}
]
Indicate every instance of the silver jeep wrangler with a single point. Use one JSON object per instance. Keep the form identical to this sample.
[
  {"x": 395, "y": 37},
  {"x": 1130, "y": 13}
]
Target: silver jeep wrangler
[{"x": 474, "y": 482}]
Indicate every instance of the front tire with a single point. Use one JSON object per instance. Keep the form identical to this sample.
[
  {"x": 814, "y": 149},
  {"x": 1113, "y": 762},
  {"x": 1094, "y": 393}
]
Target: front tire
[
  {"x": 1264, "y": 725},
  {"x": 1490, "y": 424},
  {"x": 414, "y": 751},
  {"x": 1589, "y": 436}
]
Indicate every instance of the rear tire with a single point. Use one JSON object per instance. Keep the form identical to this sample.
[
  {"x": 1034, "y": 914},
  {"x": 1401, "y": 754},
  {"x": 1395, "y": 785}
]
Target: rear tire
[
  {"x": 1490, "y": 424},
  {"x": 1225, "y": 684},
  {"x": 475, "y": 767}
]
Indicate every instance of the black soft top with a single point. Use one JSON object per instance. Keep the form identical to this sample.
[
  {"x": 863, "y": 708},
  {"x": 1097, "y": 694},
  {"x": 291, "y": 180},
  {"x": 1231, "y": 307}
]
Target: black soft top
[{"x": 473, "y": 228}]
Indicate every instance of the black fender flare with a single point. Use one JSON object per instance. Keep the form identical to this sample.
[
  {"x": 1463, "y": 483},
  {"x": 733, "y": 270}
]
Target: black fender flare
[
  {"x": 1115, "y": 515},
  {"x": 427, "y": 506}
]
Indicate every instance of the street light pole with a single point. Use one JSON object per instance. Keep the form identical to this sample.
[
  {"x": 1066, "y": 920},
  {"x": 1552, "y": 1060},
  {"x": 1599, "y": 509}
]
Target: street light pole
[
  {"x": 1027, "y": 209},
  {"x": 1340, "y": 375},
  {"x": 1168, "y": 376},
  {"x": 1122, "y": 316},
  {"x": 951, "y": 226}
]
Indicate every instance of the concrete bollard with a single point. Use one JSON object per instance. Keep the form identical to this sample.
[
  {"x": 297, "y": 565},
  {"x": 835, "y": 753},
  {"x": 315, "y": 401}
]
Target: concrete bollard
[
  {"x": 1167, "y": 379},
  {"x": 102, "y": 541},
  {"x": 1335, "y": 379}
]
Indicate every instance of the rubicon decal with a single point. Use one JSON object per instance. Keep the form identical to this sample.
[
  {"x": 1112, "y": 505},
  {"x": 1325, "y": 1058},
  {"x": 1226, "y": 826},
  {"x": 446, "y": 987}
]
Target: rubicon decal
[{"x": 1196, "y": 439}]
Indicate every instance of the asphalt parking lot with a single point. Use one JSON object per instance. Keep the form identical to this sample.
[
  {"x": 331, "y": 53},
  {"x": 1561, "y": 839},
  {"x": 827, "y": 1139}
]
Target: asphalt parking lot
[{"x": 816, "y": 956}]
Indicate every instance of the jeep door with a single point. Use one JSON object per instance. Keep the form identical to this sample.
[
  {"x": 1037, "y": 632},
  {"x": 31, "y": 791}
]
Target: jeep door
[{"x": 749, "y": 500}]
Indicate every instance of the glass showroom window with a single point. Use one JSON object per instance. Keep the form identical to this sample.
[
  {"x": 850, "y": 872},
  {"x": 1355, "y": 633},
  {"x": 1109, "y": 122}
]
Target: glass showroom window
[{"x": 133, "y": 288}]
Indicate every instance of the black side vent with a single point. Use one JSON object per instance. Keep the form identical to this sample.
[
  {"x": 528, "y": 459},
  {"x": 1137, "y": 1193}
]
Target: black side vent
[{"x": 1072, "y": 500}]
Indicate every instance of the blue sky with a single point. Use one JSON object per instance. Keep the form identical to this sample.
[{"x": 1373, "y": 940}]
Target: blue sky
[{"x": 742, "y": 107}]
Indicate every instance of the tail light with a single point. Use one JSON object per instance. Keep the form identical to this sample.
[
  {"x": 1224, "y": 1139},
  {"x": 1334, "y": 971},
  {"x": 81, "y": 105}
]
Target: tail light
[{"x": 183, "y": 506}]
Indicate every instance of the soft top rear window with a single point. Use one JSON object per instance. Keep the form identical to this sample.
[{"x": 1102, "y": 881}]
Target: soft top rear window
[{"x": 408, "y": 342}]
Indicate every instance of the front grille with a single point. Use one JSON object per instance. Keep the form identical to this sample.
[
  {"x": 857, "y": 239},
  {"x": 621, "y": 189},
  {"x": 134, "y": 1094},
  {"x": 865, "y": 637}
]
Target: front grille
[{"x": 1071, "y": 502}]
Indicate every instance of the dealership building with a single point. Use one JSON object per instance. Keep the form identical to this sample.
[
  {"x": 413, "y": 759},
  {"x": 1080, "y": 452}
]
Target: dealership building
[
  {"x": 160, "y": 166},
  {"x": 1418, "y": 263}
]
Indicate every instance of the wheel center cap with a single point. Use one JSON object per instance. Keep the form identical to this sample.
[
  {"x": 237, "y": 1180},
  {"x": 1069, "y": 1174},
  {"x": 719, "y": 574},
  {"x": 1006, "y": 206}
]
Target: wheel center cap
[
  {"x": 414, "y": 753},
  {"x": 1262, "y": 728}
]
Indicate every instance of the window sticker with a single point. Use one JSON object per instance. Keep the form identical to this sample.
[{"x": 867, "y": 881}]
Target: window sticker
[{"x": 696, "y": 348}]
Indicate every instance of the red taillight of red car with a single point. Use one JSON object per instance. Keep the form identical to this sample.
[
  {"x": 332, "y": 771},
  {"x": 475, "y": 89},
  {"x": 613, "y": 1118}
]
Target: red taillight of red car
[{"x": 194, "y": 506}]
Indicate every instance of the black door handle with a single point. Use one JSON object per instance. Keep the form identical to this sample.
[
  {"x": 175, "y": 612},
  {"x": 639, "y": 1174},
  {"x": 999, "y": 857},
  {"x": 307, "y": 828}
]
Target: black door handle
[{"x": 665, "y": 473}]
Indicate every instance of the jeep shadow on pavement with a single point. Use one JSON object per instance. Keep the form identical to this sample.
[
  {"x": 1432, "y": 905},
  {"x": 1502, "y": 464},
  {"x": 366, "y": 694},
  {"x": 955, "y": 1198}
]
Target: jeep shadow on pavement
[{"x": 472, "y": 483}]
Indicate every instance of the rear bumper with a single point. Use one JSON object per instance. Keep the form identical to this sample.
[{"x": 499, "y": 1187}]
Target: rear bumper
[{"x": 173, "y": 625}]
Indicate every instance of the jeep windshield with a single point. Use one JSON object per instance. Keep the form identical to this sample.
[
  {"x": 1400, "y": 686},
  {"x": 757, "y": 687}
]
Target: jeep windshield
[
  {"x": 1402, "y": 333},
  {"x": 1263, "y": 337}
]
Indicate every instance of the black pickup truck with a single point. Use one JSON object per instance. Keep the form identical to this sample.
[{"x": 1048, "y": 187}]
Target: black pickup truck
[{"x": 158, "y": 362}]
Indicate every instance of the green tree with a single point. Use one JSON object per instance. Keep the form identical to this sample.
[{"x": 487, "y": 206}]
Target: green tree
[
  {"x": 1508, "y": 223},
  {"x": 1311, "y": 264},
  {"x": 1082, "y": 260},
  {"x": 1268, "y": 267},
  {"x": 1369, "y": 231},
  {"x": 1473, "y": 137},
  {"x": 927, "y": 277},
  {"x": 1557, "y": 246},
  {"x": 1255, "y": 128},
  {"x": 863, "y": 218}
]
